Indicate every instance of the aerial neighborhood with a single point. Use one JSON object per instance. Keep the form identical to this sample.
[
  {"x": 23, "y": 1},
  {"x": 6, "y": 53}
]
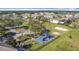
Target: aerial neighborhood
[{"x": 39, "y": 31}]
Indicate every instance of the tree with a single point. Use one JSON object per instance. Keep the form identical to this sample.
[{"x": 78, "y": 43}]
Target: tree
[
  {"x": 36, "y": 27},
  {"x": 41, "y": 18},
  {"x": 11, "y": 42}
]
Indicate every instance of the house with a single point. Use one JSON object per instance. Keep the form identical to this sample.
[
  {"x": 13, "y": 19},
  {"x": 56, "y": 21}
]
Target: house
[
  {"x": 20, "y": 32},
  {"x": 57, "y": 21},
  {"x": 76, "y": 15},
  {"x": 25, "y": 15},
  {"x": 62, "y": 21},
  {"x": 54, "y": 21},
  {"x": 48, "y": 15}
]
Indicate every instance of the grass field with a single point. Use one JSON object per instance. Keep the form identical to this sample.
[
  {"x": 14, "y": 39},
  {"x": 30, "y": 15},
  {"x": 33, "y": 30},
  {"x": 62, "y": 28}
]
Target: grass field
[
  {"x": 36, "y": 46},
  {"x": 64, "y": 42}
]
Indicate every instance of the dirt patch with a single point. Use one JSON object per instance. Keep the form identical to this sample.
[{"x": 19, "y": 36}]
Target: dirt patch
[
  {"x": 61, "y": 29},
  {"x": 56, "y": 33}
]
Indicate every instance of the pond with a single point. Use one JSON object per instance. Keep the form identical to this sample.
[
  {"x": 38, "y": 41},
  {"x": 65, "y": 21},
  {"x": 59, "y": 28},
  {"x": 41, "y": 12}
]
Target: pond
[{"x": 44, "y": 37}]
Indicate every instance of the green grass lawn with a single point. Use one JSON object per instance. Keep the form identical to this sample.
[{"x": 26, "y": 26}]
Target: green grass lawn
[
  {"x": 52, "y": 25},
  {"x": 64, "y": 42},
  {"x": 36, "y": 46}
]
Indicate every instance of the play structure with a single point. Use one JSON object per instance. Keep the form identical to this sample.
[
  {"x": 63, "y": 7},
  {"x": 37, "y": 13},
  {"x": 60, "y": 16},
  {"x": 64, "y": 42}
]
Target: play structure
[{"x": 44, "y": 37}]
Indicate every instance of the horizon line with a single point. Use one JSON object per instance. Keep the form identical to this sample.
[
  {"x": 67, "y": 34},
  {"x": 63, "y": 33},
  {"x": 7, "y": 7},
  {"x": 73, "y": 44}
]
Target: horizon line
[{"x": 39, "y": 9}]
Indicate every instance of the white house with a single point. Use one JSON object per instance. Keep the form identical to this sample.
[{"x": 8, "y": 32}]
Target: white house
[
  {"x": 61, "y": 22},
  {"x": 54, "y": 21},
  {"x": 76, "y": 15}
]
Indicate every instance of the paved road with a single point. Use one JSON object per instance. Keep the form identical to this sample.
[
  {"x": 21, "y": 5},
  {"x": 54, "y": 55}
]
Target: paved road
[
  {"x": 5, "y": 47},
  {"x": 2, "y": 48}
]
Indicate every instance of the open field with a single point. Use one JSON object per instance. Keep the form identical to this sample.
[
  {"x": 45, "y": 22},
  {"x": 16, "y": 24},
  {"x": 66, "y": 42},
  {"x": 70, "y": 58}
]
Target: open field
[{"x": 64, "y": 42}]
